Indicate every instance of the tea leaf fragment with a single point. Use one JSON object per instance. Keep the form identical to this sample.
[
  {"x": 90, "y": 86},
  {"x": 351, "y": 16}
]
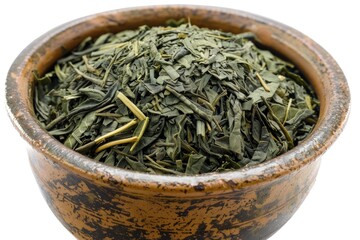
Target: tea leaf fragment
[{"x": 178, "y": 99}]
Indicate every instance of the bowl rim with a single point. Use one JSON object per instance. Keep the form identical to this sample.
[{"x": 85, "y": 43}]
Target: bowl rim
[{"x": 311, "y": 148}]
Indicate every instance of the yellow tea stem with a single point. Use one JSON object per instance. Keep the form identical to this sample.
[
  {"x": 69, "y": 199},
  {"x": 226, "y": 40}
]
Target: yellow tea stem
[
  {"x": 132, "y": 107},
  {"x": 143, "y": 128},
  {"x": 114, "y": 143},
  {"x": 262, "y": 82},
  {"x": 116, "y": 131}
]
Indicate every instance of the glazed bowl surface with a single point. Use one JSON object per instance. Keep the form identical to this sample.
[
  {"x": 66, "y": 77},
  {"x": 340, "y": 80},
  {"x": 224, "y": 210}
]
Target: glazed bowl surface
[{"x": 96, "y": 201}]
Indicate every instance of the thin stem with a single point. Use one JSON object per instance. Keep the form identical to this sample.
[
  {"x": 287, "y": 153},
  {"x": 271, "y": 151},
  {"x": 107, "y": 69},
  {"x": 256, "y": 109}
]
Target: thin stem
[
  {"x": 105, "y": 108},
  {"x": 262, "y": 82},
  {"x": 91, "y": 79},
  {"x": 102, "y": 138},
  {"x": 287, "y": 110},
  {"x": 55, "y": 121},
  {"x": 117, "y": 131},
  {"x": 88, "y": 66},
  {"x": 206, "y": 103},
  {"x": 283, "y": 129},
  {"x": 157, "y": 103},
  {"x": 164, "y": 144},
  {"x": 125, "y": 154},
  {"x": 143, "y": 128},
  {"x": 157, "y": 166},
  {"x": 109, "y": 115},
  {"x": 132, "y": 107},
  {"x": 216, "y": 100},
  {"x": 114, "y": 143},
  {"x": 189, "y": 103},
  {"x": 108, "y": 69}
]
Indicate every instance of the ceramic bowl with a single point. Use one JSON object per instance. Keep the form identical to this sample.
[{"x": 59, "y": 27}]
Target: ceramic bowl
[{"x": 95, "y": 201}]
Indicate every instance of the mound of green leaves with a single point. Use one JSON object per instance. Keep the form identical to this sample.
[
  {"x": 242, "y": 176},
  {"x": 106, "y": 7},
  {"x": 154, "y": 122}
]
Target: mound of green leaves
[{"x": 175, "y": 100}]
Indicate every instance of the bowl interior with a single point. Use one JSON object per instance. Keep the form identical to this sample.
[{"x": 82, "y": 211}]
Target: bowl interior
[{"x": 314, "y": 62}]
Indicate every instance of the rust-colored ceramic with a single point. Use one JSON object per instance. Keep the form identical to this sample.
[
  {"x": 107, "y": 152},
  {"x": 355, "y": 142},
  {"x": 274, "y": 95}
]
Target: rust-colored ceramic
[{"x": 95, "y": 201}]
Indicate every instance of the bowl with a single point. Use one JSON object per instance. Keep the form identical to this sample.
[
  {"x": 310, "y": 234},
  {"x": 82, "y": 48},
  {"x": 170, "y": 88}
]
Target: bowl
[{"x": 96, "y": 201}]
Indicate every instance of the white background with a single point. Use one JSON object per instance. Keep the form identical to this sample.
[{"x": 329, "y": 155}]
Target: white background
[{"x": 331, "y": 210}]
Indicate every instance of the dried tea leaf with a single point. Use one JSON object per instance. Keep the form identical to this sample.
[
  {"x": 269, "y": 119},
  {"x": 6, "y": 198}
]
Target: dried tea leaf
[
  {"x": 260, "y": 92},
  {"x": 235, "y": 138},
  {"x": 194, "y": 164},
  {"x": 175, "y": 100},
  {"x": 84, "y": 125}
]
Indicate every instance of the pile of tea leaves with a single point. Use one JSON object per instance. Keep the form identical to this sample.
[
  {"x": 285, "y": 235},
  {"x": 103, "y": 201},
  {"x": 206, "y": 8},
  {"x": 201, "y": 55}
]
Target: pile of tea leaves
[{"x": 177, "y": 100}]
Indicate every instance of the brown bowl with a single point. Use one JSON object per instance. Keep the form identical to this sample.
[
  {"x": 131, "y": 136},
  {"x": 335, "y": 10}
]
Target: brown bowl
[{"x": 95, "y": 201}]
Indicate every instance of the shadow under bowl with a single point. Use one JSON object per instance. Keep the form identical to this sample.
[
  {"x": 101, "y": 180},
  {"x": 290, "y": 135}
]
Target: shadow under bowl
[{"x": 95, "y": 201}]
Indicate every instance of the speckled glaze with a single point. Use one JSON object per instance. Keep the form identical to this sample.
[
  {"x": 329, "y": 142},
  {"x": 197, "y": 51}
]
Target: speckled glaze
[{"x": 95, "y": 201}]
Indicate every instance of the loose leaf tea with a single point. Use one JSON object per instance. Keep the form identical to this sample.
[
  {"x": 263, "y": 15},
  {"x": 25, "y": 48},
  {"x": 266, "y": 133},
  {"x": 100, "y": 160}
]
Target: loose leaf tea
[{"x": 175, "y": 100}]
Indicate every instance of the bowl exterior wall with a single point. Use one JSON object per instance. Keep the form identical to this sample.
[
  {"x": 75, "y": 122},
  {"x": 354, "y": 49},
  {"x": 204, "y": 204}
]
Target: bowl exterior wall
[{"x": 91, "y": 210}]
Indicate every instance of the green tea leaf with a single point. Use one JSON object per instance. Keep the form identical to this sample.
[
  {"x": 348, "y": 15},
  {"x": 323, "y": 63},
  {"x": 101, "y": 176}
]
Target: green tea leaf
[
  {"x": 194, "y": 164},
  {"x": 260, "y": 92},
  {"x": 175, "y": 100},
  {"x": 171, "y": 72},
  {"x": 93, "y": 93},
  {"x": 298, "y": 115},
  {"x": 85, "y": 124},
  {"x": 235, "y": 138}
]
